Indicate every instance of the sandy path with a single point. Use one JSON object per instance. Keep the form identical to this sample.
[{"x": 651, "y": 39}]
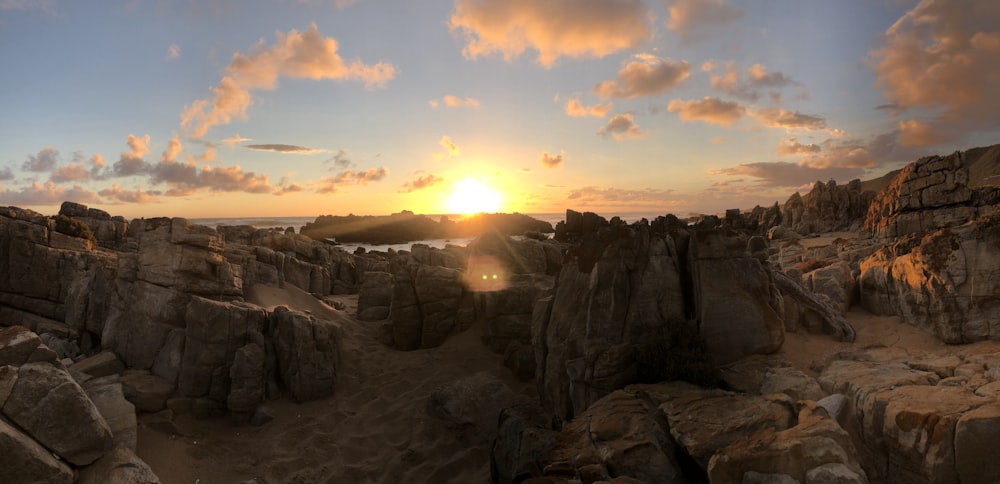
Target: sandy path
[{"x": 374, "y": 429}]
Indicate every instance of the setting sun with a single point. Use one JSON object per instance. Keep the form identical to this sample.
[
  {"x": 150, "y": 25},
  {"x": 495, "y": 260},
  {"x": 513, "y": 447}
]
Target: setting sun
[{"x": 471, "y": 196}]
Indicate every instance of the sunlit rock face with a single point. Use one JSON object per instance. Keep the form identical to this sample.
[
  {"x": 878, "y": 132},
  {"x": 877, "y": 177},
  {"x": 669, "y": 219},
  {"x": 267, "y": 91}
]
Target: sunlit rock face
[
  {"x": 940, "y": 267},
  {"x": 828, "y": 207}
]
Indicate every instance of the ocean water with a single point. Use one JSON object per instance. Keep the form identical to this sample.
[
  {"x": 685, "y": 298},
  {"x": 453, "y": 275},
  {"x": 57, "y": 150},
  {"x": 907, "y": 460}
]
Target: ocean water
[{"x": 298, "y": 222}]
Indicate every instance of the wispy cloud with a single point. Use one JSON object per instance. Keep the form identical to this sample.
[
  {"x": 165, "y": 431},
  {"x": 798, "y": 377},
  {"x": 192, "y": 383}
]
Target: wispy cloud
[
  {"x": 333, "y": 184},
  {"x": 116, "y": 193},
  {"x": 421, "y": 182},
  {"x": 554, "y": 28},
  {"x": 449, "y": 146},
  {"x": 289, "y": 189},
  {"x": 173, "y": 52},
  {"x": 450, "y": 101},
  {"x": 645, "y": 75},
  {"x": 297, "y": 55},
  {"x": 43, "y": 5},
  {"x": 792, "y": 147},
  {"x": 48, "y": 193},
  {"x": 789, "y": 120},
  {"x": 726, "y": 77},
  {"x": 235, "y": 140},
  {"x": 288, "y": 149}
]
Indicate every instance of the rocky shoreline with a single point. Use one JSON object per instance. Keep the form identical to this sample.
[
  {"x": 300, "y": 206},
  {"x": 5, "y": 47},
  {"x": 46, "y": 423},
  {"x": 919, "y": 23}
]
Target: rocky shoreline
[{"x": 653, "y": 350}]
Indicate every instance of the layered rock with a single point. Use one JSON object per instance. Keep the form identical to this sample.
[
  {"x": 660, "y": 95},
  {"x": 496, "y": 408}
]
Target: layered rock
[
  {"x": 828, "y": 207},
  {"x": 945, "y": 282},
  {"x": 914, "y": 425}
]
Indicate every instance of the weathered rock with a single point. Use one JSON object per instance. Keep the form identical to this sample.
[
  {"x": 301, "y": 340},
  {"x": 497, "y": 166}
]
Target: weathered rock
[
  {"x": 815, "y": 441},
  {"x": 620, "y": 435},
  {"x": 375, "y": 296},
  {"x": 827, "y": 208},
  {"x": 148, "y": 392},
  {"x": 522, "y": 440},
  {"x": 308, "y": 353},
  {"x": 610, "y": 298},
  {"x": 117, "y": 411},
  {"x": 425, "y": 306},
  {"x": 704, "y": 421},
  {"x": 120, "y": 466},
  {"x": 736, "y": 301},
  {"x": 976, "y": 435},
  {"x": 944, "y": 284},
  {"x": 17, "y": 344},
  {"x": 24, "y": 460},
  {"x": 767, "y": 374},
  {"x": 834, "y": 473},
  {"x": 249, "y": 379},
  {"x": 102, "y": 364},
  {"x": 51, "y": 407},
  {"x": 473, "y": 401}
]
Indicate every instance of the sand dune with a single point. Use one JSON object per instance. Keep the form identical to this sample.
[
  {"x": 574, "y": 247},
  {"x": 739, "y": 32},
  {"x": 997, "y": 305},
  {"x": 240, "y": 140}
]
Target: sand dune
[{"x": 376, "y": 427}]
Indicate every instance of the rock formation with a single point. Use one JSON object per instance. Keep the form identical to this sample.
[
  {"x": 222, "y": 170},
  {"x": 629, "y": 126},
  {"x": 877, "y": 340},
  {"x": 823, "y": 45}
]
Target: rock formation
[
  {"x": 828, "y": 207},
  {"x": 939, "y": 268}
]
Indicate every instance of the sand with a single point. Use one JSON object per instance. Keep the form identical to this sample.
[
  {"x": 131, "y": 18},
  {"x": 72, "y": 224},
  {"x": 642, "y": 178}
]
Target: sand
[{"x": 375, "y": 428}]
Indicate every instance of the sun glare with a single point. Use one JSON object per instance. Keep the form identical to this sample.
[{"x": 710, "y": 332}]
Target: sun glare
[{"x": 471, "y": 196}]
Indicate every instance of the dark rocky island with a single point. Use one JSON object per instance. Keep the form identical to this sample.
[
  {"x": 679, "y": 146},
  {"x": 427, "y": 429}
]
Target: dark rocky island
[
  {"x": 850, "y": 335},
  {"x": 403, "y": 227}
]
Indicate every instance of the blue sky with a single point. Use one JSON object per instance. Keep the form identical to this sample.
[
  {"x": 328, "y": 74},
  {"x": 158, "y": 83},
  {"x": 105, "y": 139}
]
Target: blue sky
[{"x": 271, "y": 108}]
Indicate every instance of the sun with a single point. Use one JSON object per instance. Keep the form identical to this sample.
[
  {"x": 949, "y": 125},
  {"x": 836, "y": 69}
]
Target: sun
[{"x": 470, "y": 196}]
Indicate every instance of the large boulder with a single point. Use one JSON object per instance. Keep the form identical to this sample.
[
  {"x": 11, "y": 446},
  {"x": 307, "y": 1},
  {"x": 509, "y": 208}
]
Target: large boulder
[
  {"x": 735, "y": 298},
  {"x": 427, "y": 304},
  {"x": 308, "y": 353},
  {"x": 375, "y": 296},
  {"x": 24, "y": 460},
  {"x": 617, "y": 289},
  {"x": 48, "y": 404}
]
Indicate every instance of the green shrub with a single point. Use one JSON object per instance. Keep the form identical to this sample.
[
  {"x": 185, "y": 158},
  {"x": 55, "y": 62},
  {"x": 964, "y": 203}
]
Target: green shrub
[
  {"x": 74, "y": 228},
  {"x": 675, "y": 351}
]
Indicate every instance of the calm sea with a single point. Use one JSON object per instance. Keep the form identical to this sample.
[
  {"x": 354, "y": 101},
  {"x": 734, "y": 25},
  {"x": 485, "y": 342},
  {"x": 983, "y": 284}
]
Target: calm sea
[{"x": 298, "y": 222}]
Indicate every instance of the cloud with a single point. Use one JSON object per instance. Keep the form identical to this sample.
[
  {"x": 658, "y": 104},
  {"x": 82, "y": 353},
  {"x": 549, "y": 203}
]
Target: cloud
[
  {"x": 174, "y": 148},
  {"x": 726, "y": 77},
  {"x": 47, "y": 193},
  {"x": 938, "y": 63},
  {"x": 783, "y": 118},
  {"x": 43, "y": 5},
  {"x": 645, "y": 75},
  {"x": 175, "y": 173},
  {"x": 710, "y": 110},
  {"x": 340, "y": 160},
  {"x": 233, "y": 179},
  {"x": 173, "y": 52},
  {"x": 70, "y": 172},
  {"x": 289, "y": 149},
  {"x": 620, "y": 127},
  {"x": 6, "y": 174},
  {"x": 550, "y": 161},
  {"x": 421, "y": 182},
  {"x": 455, "y": 102},
  {"x": 235, "y": 140},
  {"x": 553, "y": 28},
  {"x": 296, "y": 55},
  {"x": 788, "y": 175},
  {"x": 289, "y": 188},
  {"x": 575, "y": 109},
  {"x": 689, "y": 17},
  {"x": 332, "y": 184},
  {"x": 126, "y": 196},
  {"x": 792, "y": 147},
  {"x": 45, "y": 160},
  {"x": 132, "y": 162},
  {"x": 623, "y": 198},
  {"x": 449, "y": 146}
]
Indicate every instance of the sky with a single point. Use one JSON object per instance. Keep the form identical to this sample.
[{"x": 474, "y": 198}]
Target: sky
[{"x": 230, "y": 108}]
